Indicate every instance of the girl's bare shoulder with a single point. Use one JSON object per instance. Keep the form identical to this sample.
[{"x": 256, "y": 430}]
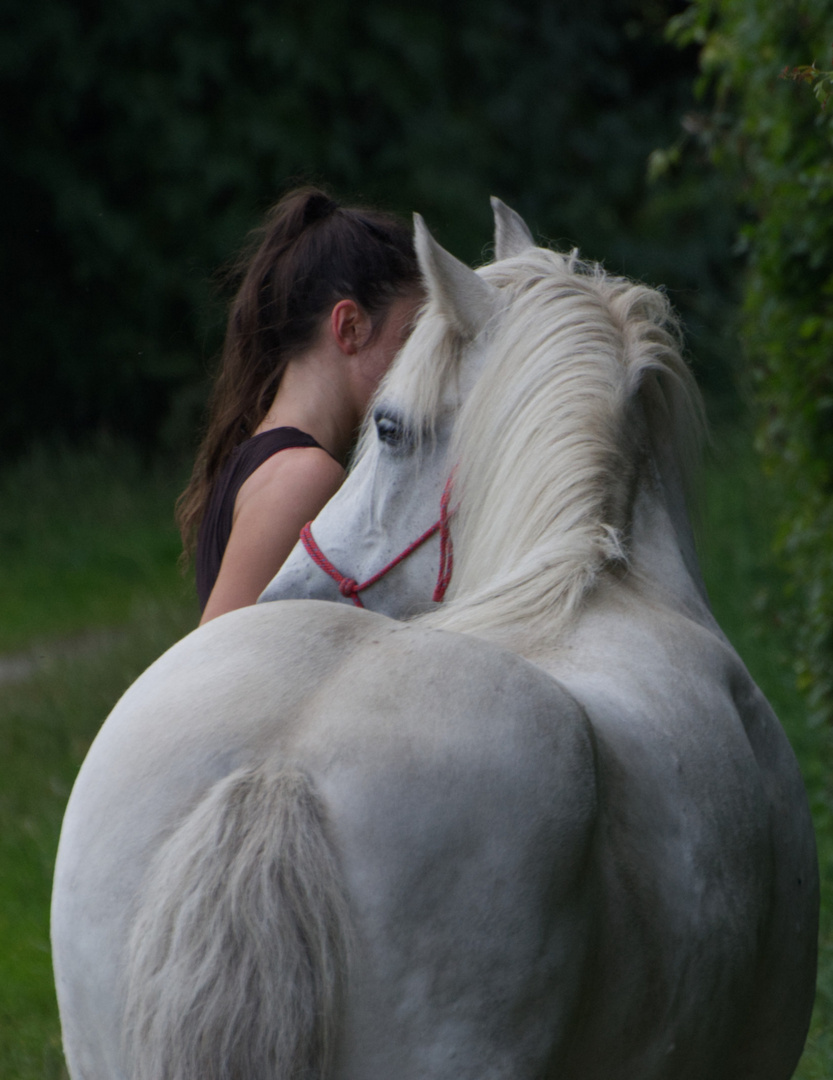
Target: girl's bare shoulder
[{"x": 305, "y": 472}]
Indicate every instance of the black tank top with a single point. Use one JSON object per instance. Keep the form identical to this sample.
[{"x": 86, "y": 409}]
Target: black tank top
[{"x": 215, "y": 527}]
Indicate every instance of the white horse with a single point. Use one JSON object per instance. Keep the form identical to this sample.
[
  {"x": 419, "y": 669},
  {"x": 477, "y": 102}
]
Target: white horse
[{"x": 547, "y": 829}]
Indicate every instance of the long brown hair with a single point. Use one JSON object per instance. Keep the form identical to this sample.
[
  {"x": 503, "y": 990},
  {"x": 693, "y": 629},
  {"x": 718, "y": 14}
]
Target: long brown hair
[{"x": 309, "y": 254}]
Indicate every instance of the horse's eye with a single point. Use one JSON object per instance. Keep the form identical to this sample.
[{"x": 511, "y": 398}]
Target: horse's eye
[{"x": 390, "y": 430}]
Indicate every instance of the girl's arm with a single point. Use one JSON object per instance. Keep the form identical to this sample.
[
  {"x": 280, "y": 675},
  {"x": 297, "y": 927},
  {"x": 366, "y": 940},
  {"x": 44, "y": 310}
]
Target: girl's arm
[{"x": 271, "y": 508}]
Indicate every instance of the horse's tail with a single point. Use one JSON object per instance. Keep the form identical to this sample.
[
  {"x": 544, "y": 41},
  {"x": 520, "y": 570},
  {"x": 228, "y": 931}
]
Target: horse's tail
[{"x": 238, "y": 958}]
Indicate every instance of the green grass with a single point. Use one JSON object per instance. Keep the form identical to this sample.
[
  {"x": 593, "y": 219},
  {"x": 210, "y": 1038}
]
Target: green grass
[
  {"x": 90, "y": 544},
  {"x": 87, "y": 541},
  {"x": 46, "y": 727},
  {"x": 85, "y": 537}
]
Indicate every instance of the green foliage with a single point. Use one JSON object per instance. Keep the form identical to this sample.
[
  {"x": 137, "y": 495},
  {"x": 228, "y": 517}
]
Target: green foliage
[
  {"x": 775, "y": 144},
  {"x": 142, "y": 141},
  {"x": 746, "y": 582},
  {"x": 821, "y": 81}
]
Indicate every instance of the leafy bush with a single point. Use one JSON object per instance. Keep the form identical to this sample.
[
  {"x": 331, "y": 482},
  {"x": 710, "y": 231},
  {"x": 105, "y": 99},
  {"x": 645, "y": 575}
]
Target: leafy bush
[{"x": 775, "y": 144}]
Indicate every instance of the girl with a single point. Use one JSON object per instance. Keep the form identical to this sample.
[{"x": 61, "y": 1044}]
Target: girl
[{"x": 325, "y": 303}]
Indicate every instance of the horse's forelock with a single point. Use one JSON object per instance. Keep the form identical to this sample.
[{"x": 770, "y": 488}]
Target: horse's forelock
[{"x": 423, "y": 376}]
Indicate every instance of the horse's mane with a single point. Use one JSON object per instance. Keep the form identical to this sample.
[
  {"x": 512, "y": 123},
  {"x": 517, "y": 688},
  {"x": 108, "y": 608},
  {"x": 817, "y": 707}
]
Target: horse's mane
[{"x": 583, "y": 380}]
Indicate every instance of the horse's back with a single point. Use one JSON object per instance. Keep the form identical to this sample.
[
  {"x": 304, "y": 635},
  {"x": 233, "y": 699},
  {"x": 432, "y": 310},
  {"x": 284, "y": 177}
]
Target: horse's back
[{"x": 459, "y": 788}]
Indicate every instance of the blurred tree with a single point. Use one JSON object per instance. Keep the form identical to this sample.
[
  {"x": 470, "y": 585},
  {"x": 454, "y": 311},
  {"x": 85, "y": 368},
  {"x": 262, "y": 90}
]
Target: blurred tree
[
  {"x": 774, "y": 142},
  {"x": 141, "y": 142}
]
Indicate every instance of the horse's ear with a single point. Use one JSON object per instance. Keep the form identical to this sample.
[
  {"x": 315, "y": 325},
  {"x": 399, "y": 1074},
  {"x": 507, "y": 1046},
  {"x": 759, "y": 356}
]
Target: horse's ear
[
  {"x": 512, "y": 237},
  {"x": 466, "y": 300}
]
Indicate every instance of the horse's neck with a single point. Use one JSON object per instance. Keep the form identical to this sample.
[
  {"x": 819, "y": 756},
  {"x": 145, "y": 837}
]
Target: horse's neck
[
  {"x": 662, "y": 573},
  {"x": 663, "y": 553}
]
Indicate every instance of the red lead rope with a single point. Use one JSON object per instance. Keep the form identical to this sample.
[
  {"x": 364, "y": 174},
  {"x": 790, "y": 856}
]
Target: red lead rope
[{"x": 350, "y": 588}]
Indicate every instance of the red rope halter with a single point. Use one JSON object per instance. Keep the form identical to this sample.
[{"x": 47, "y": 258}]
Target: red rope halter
[{"x": 350, "y": 588}]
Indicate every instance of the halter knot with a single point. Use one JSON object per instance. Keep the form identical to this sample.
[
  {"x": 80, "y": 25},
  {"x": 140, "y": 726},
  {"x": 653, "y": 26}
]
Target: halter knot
[{"x": 349, "y": 587}]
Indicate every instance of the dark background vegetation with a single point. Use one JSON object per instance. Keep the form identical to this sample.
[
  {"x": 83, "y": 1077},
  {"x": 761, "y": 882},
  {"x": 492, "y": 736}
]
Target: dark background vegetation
[{"x": 142, "y": 141}]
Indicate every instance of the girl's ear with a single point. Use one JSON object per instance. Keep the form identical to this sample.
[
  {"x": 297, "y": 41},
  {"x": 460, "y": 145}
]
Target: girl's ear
[{"x": 349, "y": 326}]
